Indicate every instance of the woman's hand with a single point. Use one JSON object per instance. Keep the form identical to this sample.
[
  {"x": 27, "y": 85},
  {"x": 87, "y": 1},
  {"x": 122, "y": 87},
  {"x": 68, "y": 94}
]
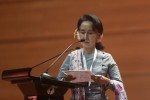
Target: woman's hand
[
  {"x": 99, "y": 79},
  {"x": 68, "y": 77}
]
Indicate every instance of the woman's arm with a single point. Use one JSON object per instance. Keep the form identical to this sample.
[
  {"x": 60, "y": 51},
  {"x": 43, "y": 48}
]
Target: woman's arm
[
  {"x": 116, "y": 83},
  {"x": 64, "y": 67}
]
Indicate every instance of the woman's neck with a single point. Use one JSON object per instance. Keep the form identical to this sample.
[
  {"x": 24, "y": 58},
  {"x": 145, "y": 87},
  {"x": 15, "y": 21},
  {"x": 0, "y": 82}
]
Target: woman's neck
[{"x": 89, "y": 50}]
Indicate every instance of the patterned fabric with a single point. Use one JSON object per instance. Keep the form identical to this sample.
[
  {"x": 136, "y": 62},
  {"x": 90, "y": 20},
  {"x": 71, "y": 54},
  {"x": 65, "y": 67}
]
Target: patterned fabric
[
  {"x": 119, "y": 90},
  {"x": 78, "y": 94},
  {"x": 75, "y": 61},
  {"x": 103, "y": 65}
]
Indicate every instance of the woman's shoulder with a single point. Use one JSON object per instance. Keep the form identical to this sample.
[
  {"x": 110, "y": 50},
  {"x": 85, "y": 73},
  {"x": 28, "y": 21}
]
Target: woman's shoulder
[
  {"x": 74, "y": 52},
  {"x": 104, "y": 54},
  {"x": 77, "y": 50}
]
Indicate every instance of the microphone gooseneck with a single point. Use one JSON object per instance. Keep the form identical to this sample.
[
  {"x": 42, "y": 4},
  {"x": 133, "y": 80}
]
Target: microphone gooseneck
[
  {"x": 52, "y": 58},
  {"x": 82, "y": 40}
]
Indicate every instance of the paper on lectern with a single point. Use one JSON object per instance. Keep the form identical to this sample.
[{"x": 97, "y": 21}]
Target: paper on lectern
[{"x": 81, "y": 75}]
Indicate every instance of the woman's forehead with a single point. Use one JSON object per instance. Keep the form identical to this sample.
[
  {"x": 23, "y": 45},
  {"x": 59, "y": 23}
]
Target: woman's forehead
[{"x": 86, "y": 25}]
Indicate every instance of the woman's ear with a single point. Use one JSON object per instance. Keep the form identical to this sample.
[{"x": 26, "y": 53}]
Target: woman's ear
[{"x": 99, "y": 39}]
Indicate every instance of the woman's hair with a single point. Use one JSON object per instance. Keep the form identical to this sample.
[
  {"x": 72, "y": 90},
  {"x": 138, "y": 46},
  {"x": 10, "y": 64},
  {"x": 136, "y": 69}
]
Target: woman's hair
[{"x": 97, "y": 26}]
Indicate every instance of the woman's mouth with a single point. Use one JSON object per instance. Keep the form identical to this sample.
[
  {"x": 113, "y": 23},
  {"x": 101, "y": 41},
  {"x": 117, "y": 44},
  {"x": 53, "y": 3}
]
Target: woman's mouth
[{"x": 86, "y": 41}]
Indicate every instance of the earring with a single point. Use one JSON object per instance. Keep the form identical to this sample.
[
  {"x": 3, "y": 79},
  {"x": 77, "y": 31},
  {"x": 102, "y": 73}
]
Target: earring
[{"x": 76, "y": 34}]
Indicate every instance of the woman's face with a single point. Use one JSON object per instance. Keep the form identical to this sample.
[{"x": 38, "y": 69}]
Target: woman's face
[{"x": 86, "y": 32}]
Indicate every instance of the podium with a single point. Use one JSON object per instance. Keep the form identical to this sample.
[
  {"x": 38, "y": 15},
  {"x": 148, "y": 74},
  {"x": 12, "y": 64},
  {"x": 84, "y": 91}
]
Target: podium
[{"x": 35, "y": 88}]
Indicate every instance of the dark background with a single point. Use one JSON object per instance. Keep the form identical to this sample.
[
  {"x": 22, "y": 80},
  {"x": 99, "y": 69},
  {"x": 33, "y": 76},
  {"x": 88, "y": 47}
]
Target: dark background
[{"x": 32, "y": 31}]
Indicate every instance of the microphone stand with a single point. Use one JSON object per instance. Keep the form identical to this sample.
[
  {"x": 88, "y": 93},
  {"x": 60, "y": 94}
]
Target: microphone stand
[
  {"x": 50, "y": 59},
  {"x": 45, "y": 74}
]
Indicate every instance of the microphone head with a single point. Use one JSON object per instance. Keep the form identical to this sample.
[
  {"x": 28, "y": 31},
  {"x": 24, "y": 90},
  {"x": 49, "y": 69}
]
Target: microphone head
[
  {"x": 82, "y": 40},
  {"x": 77, "y": 48}
]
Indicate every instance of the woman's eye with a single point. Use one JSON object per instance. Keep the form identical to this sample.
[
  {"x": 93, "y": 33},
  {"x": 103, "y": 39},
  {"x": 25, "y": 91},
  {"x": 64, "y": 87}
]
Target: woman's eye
[
  {"x": 82, "y": 32},
  {"x": 90, "y": 33}
]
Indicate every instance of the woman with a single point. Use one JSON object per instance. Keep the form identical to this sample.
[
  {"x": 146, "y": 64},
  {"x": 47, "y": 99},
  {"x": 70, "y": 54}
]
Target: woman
[{"x": 91, "y": 57}]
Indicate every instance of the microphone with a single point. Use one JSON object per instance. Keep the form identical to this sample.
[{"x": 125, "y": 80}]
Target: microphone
[
  {"x": 52, "y": 58},
  {"x": 45, "y": 75},
  {"x": 81, "y": 40}
]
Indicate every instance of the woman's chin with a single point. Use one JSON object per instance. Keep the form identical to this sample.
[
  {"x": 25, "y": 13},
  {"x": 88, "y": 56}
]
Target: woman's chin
[{"x": 86, "y": 45}]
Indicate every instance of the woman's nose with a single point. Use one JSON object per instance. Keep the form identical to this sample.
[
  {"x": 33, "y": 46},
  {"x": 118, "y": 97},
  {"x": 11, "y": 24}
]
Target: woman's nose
[{"x": 86, "y": 36}]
